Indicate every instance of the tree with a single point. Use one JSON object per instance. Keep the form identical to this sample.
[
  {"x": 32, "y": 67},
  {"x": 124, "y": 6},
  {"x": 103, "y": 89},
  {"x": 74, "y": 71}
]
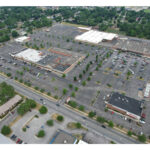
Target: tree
[
  {"x": 78, "y": 125},
  {"x": 65, "y": 91},
  {"x": 89, "y": 78},
  {"x": 142, "y": 138},
  {"x": 111, "y": 124},
  {"x": 91, "y": 114},
  {"x": 75, "y": 78},
  {"x": 60, "y": 118},
  {"x": 80, "y": 76},
  {"x": 50, "y": 122},
  {"x": 41, "y": 134},
  {"x": 43, "y": 110},
  {"x": 76, "y": 89},
  {"x": 5, "y": 130},
  {"x": 14, "y": 34}
]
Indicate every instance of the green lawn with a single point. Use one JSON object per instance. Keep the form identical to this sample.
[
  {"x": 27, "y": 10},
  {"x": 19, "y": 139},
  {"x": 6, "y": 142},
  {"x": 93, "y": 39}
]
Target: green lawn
[{"x": 147, "y": 10}]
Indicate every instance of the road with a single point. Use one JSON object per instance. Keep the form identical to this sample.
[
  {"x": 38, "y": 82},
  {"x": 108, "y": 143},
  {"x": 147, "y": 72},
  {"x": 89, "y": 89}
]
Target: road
[{"x": 92, "y": 125}]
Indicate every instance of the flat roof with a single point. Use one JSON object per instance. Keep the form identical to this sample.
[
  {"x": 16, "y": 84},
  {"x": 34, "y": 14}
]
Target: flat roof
[
  {"x": 30, "y": 55},
  {"x": 126, "y": 103},
  {"x": 21, "y": 39},
  {"x": 5, "y": 107},
  {"x": 147, "y": 90},
  {"x": 94, "y": 36},
  {"x": 62, "y": 137},
  {"x": 5, "y": 140}
]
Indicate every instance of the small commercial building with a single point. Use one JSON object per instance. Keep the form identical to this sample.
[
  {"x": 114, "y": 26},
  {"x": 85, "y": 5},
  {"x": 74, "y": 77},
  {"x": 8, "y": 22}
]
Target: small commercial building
[
  {"x": 126, "y": 106},
  {"x": 9, "y": 105},
  {"x": 62, "y": 137},
  {"x": 30, "y": 55},
  {"x": 147, "y": 91},
  {"x": 22, "y": 39}
]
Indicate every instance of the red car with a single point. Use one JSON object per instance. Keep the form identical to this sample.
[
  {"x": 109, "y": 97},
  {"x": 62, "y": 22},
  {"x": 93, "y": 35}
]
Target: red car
[{"x": 18, "y": 140}]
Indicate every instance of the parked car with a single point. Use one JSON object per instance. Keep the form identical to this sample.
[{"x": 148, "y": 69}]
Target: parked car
[{"x": 18, "y": 141}]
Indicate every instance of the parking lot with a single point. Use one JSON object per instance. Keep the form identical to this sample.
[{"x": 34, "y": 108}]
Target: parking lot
[
  {"x": 121, "y": 72},
  {"x": 34, "y": 124}
]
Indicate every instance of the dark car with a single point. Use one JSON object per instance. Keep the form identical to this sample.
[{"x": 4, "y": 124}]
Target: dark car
[
  {"x": 103, "y": 126},
  {"x": 20, "y": 142},
  {"x": 13, "y": 137}
]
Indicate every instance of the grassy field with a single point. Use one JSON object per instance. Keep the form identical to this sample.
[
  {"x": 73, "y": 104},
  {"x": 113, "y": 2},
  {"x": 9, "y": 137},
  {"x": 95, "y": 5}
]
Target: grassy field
[
  {"x": 115, "y": 31},
  {"x": 147, "y": 10},
  {"x": 75, "y": 25}
]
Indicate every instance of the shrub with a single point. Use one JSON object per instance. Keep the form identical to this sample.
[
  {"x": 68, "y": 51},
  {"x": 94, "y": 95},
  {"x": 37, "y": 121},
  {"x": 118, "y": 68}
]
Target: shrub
[
  {"x": 49, "y": 93},
  {"x": 56, "y": 96},
  {"x": 100, "y": 119},
  {"x": 76, "y": 89},
  {"x": 78, "y": 125},
  {"x": 84, "y": 83},
  {"x": 65, "y": 91},
  {"x": 42, "y": 90},
  {"x": 91, "y": 114},
  {"x": 64, "y": 75},
  {"x": 24, "y": 129},
  {"x": 129, "y": 133},
  {"x": 50, "y": 122},
  {"x": 41, "y": 133},
  {"x": 111, "y": 124},
  {"x": 43, "y": 110},
  {"x": 73, "y": 94},
  {"x": 60, "y": 118},
  {"x": 5, "y": 130},
  {"x": 81, "y": 108},
  {"x": 70, "y": 86},
  {"x": 72, "y": 104},
  {"x": 142, "y": 138}
]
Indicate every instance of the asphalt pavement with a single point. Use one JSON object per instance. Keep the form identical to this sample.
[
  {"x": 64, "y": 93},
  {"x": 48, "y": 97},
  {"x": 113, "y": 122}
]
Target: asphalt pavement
[{"x": 92, "y": 125}]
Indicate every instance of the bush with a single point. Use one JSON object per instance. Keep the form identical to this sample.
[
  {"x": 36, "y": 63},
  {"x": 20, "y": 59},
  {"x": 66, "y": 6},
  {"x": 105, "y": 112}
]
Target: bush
[
  {"x": 42, "y": 90},
  {"x": 72, "y": 104},
  {"x": 64, "y": 75},
  {"x": 70, "y": 86},
  {"x": 73, "y": 94},
  {"x": 76, "y": 89},
  {"x": 129, "y": 133},
  {"x": 49, "y": 93},
  {"x": 100, "y": 119},
  {"x": 81, "y": 108},
  {"x": 142, "y": 138},
  {"x": 111, "y": 124},
  {"x": 78, "y": 125},
  {"x": 65, "y": 91},
  {"x": 60, "y": 118},
  {"x": 5, "y": 130},
  {"x": 43, "y": 110},
  {"x": 24, "y": 129},
  {"x": 41, "y": 133},
  {"x": 50, "y": 122},
  {"x": 91, "y": 114},
  {"x": 84, "y": 83}
]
